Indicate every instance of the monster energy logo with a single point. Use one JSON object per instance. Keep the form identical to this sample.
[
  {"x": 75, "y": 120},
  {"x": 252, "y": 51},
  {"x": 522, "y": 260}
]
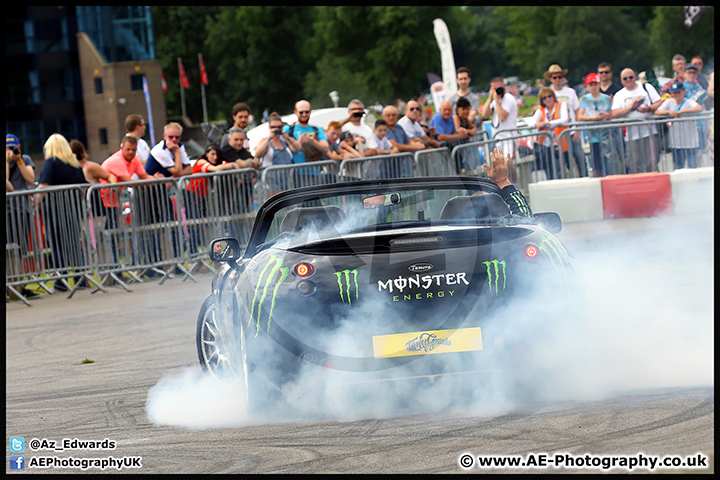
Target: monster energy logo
[
  {"x": 494, "y": 272},
  {"x": 558, "y": 256},
  {"x": 273, "y": 267},
  {"x": 344, "y": 277}
]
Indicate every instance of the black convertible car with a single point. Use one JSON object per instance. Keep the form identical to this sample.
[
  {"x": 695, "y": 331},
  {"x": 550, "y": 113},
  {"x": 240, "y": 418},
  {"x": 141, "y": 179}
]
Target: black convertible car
[{"x": 384, "y": 280}]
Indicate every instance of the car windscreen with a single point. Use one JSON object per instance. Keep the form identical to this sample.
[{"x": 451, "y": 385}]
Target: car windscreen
[{"x": 342, "y": 214}]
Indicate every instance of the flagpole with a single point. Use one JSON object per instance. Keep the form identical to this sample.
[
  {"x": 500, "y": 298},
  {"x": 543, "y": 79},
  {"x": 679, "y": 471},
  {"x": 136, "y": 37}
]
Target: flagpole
[
  {"x": 182, "y": 89},
  {"x": 202, "y": 88}
]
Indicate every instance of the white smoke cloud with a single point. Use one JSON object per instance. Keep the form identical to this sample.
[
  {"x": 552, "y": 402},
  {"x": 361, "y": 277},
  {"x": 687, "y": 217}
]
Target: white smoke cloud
[{"x": 648, "y": 323}]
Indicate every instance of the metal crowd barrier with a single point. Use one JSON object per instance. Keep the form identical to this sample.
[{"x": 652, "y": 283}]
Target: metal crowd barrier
[
  {"x": 46, "y": 240},
  {"x": 397, "y": 165},
  {"x": 436, "y": 162},
  {"x": 162, "y": 227},
  {"x": 278, "y": 178}
]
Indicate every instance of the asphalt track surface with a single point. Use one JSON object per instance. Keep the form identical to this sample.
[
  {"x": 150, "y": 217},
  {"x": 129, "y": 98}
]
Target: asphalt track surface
[{"x": 138, "y": 339}]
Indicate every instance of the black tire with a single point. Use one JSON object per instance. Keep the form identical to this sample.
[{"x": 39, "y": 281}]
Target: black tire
[{"x": 216, "y": 352}]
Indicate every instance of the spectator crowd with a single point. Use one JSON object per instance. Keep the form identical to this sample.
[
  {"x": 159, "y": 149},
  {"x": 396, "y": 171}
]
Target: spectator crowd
[{"x": 403, "y": 127}]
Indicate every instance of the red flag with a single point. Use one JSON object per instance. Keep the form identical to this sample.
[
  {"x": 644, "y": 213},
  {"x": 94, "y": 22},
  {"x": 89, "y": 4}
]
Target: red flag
[
  {"x": 184, "y": 83},
  {"x": 164, "y": 84},
  {"x": 203, "y": 72}
]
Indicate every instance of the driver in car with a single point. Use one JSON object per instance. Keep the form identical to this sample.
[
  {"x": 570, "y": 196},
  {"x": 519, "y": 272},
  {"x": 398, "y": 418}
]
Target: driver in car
[{"x": 498, "y": 173}]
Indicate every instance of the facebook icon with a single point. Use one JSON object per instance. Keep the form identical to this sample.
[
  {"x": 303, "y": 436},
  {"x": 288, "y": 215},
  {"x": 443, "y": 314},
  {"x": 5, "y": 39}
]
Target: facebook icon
[{"x": 17, "y": 462}]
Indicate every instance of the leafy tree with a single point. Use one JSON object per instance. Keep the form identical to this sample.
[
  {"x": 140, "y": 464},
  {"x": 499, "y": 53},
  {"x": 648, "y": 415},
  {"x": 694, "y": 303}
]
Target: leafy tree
[
  {"x": 181, "y": 32},
  {"x": 372, "y": 53},
  {"x": 577, "y": 38},
  {"x": 260, "y": 56},
  {"x": 670, "y": 36}
]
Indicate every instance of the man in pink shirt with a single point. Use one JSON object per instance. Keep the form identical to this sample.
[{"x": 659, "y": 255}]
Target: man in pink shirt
[{"x": 123, "y": 164}]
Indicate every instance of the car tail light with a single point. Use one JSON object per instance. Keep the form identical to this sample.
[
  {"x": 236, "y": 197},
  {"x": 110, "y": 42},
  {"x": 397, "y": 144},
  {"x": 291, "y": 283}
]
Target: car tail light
[
  {"x": 531, "y": 251},
  {"x": 306, "y": 288},
  {"x": 304, "y": 270}
]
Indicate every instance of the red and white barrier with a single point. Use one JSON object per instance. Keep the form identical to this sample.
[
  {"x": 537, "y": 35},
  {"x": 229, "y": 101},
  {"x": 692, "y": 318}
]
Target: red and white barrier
[{"x": 626, "y": 196}]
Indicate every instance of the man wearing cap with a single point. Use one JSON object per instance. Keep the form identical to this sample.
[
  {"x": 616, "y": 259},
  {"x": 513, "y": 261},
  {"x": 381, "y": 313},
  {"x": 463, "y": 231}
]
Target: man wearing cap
[
  {"x": 21, "y": 175},
  {"x": 596, "y": 107},
  {"x": 563, "y": 93},
  {"x": 694, "y": 91},
  {"x": 635, "y": 102},
  {"x": 683, "y": 135}
]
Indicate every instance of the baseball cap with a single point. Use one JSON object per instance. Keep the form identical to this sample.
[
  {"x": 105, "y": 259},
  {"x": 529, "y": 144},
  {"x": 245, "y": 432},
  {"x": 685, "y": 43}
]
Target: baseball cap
[
  {"x": 11, "y": 140},
  {"x": 345, "y": 135},
  {"x": 676, "y": 87},
  {"x": 592, "y": 77},
  {"x": 691, "y": 66}
]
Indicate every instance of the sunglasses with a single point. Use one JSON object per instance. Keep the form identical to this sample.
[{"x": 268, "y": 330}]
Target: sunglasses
[
  {"x": 547, "y": 97},
  {"x": 173, "y": 137},
  {"x": 555, "y": 77},
  {"x": 606, "y": 71},
  {"x": 304, "y": 112},
  {"x": 414, "y": 108},
  {"x": 628, "y": 78},
  {"x": 275, "y": 127}
]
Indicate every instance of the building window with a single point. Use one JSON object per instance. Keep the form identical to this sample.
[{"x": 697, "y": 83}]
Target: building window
[
  {"x": 103, "y": 136},
  {"x": 136, "y": 82},
  {"x": 98, "y": 85}
]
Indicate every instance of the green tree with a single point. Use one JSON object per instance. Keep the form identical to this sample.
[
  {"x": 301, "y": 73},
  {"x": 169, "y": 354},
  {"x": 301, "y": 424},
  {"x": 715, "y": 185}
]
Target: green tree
[
  {"x": 670, "y": 36},
  {"x": 373, "y": 53},
  {"x": 260, "y": 54},
  {"x": 577, "y": 38},
  {"x": 181, "y": 32}
]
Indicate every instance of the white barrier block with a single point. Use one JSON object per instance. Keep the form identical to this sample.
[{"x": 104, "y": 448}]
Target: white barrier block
[
  {"x": 574, "y": 199},
  {"x": 693, "y": 190}
]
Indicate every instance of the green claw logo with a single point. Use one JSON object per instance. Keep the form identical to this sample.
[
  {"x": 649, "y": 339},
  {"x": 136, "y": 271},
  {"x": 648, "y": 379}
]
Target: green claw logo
[
  {"x": 494, "y": 271},
  {"x": 559, "y": 258},
  {"x": 344, "y": 276},
  {"x": 274, "y": 265}
]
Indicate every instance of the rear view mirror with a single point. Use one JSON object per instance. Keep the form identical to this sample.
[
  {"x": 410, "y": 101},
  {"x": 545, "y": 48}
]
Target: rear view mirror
[
  {"x": 381, "y": 200},
  {"x": 550, "y": 221},
  {"x": 224, "y": 249}
]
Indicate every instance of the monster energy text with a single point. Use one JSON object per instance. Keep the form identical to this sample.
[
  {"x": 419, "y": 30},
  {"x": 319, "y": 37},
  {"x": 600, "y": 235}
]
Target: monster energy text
[{"x": 424, "y": 281}]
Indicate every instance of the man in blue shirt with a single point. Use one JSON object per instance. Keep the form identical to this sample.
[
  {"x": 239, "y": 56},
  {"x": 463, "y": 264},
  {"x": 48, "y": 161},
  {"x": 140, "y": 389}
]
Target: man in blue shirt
[
  {"x": 311, "y": 138},
  {"x": 445, "y": 125}
]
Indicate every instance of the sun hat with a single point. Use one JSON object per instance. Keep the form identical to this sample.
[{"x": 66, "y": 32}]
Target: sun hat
[{"x": 555, "y": 68}]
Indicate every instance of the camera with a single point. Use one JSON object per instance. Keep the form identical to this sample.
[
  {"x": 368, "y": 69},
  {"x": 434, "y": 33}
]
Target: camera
[
  {"x": 500, "y": 91},
  {"x": 359, "y": 114},
  {"x": 278, "y": 131}
]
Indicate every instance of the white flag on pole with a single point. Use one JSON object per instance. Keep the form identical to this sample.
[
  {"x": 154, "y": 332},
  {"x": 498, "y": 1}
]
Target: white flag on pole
[{"x": 446, "y": 56}]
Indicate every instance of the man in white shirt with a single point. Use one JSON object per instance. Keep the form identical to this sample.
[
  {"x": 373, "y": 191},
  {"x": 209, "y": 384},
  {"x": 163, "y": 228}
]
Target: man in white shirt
[
  {"x": 563, "y": 93},
  {"x": 636, "y": 102},
  {"x": 135, "y": 126},
  {"x": 411, "y": 124},
  {"x": 504, "y": 114},
  {"x": 354, "y": 121}
]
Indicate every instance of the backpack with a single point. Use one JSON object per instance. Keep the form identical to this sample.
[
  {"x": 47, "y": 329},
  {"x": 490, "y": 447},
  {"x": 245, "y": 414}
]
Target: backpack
[{"x": 312, "y": 154}]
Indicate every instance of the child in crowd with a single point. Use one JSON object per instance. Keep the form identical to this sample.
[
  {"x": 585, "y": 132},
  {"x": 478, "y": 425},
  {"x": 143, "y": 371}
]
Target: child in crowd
[
  {"x": 378, "y": 144},
  {"x": 684, "y": 140}
]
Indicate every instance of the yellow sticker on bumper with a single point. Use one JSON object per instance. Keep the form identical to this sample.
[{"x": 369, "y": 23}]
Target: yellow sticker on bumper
[{"x": 429, "y": 341}]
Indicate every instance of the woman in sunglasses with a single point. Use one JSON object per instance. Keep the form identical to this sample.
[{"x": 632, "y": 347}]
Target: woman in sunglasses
[{"x": 550, "y": 117}]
